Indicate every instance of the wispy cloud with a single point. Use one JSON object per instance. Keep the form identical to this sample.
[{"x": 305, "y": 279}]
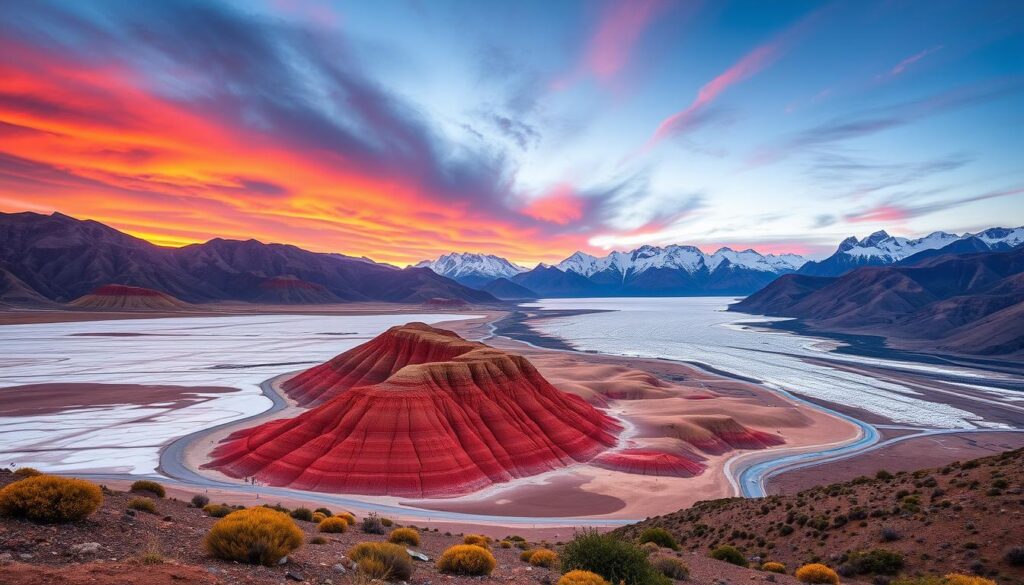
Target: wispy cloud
[
  {"x": 899, "y": 209},
  {"x": 905, "y": 63}
]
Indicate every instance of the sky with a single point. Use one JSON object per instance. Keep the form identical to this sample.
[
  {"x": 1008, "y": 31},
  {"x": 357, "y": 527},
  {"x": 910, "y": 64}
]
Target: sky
[{"x": 404, "y": 129}]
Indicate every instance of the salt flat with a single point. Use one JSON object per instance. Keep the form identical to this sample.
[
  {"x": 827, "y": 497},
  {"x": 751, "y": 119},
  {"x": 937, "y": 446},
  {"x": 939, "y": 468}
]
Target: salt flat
[
  {"x": 700, "y": 330},
  {"x": 234, "y": 352}
]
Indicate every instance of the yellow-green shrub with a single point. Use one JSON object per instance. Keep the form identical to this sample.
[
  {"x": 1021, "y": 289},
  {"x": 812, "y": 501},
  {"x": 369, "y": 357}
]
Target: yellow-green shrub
[
  {"x": 254, "y": 535},
  {"x": 217, "y": 510},
  {"x": 23, "y": 472},
  {"x": 774, "y": 567},
  {"x": 142, "y": 505},
  {"x": 505, "y": 544},
  {"x": 543, "y": 558},
  {"x": 382, "y": 560},
  {"x": 476, "y": 540},
  {"x": 318, "y": 517},
  {"x": 333, "y": 524},
  {"x": 670, "y": 566},
  {"x": 407, "y": 536},
  {"x": 526, "y": 554},
  {"x": 816, "y": 573},
  {"x": 466, "y": 559},
  {"x": 48, "y": 498},
  {"x": 145, "y": 485},
  {"x": 346, "y": 516},
  {"x": 579, "y": 577},
  {"x": 959, "y": 579}
]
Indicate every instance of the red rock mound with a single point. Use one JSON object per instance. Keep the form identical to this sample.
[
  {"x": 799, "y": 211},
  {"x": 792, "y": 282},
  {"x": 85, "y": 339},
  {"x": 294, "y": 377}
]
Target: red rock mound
[
  {"x": 376, "y": 360},
  {"x": 719, "y": 434},
  {"x": 118, "y": 297},
  {"x": 646, "y": 462},
  {"x": 290, "y": 290},
  {"x": 442, "y": 427}
]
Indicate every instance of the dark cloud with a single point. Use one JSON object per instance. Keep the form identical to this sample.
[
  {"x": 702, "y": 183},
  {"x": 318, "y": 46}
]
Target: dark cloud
[
  {"x": 857, "y": 176},
  {"x": 524, "y": 135},
  {"x": 824, "y": 220}
]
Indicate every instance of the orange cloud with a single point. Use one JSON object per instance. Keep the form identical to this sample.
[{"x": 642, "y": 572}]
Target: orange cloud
[{"x": 561, "y": 206}]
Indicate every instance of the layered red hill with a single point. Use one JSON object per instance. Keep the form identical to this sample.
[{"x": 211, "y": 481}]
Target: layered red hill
[
  {"x": 649, "y": 462},
  {"x": 419, "y": 412},
  {"x": 118, "y": 297}
]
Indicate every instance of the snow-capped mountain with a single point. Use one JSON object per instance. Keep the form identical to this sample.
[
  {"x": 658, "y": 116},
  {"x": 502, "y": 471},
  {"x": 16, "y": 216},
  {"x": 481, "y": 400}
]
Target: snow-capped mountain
[
  {"x": 687, "y": 258},
  {"x": 473, "y": 270},
  {"x": 880, "y": 249}
]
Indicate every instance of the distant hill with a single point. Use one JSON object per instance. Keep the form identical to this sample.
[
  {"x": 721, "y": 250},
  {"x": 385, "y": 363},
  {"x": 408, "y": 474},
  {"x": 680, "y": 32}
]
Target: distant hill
[
  {"x": 117, "y": 297},
  {"x": 958, "y": 303},
  {"x": 505, "y": 289},
  {"x": 61, "y": 258},
  {"x": 962, "y": 518}
]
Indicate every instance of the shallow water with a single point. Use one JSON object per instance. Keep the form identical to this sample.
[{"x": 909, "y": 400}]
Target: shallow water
[
  {"x": 235, "y": 351},
  {"x": 700, "y": 330}
]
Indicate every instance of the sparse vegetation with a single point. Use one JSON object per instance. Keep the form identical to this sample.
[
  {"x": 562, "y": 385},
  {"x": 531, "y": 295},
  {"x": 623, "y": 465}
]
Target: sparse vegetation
[
  {"x": 23, "y": 472},
  {"x": 876, "y": 561},
  {"x": 729, "y": 554},
  {"x": 407, "y": 536},
  {"x": 149, "y": 487},
  {"x": 774, "y": 567},
  {"x": 1015, "y": 556},
  {"x": 326, "y": 512},
  {"x": 817, "y": 573},
  {"x": 466, "y": 559},
  {"x": 217, "y": 510},
  {"x": 254, "y": 535},
  {"x": 476, "y": 540},
  {"x": 670, "y": 566},
  {"x": 660, "y": 537},
  {"x": 579, "y": 577},
  {"x": 48, "y": 498},
  {"x": 372, "y": 524},
  {"x": 200, "y": 501},
  {"x": 347, "y": 517},
  {"x": 304, "y": 514},
  {"x": 544, "y": 558},
  {"x": 612, "y": 558},
  {"x": 382, "y": 560},
  {"x": 318, "y": 540},
  {"x": 333, "y": 525},
  {"x": 142, "y": 505},
  {"x": 318, "y": 517}
]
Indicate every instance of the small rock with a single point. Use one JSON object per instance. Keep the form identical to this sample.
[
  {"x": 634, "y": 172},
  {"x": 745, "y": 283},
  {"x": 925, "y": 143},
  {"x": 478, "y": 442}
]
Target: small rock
[
  {"x": 25, "y": 556},
  {"x": 283, "y": 561},
  {"x": 417, "y": 555},
  {"x": 294, "y": 576},
  {"x": 87, "y": 548},
  {"x": 340, "y": 569}
]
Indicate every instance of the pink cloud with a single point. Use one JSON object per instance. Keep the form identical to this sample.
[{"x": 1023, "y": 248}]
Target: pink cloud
[
  {"x": 902, "y": 65},
  {"x": 561, "y": 205},
  {"x": 880, "y": 213}
]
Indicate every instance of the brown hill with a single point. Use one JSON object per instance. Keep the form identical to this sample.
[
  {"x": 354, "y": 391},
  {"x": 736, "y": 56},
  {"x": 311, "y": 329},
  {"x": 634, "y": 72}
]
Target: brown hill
[
  {"x": 965, "y": 518},
  {"x": 291, "y": 290},
  {"x": 15, "y": 293},
  {"x": 449, "y": 417},
  {"x": 118, "y": 297}
]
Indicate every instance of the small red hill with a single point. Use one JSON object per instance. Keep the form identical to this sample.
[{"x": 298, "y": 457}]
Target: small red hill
[
  {"x": 456, "y": 417},
  {"x": 293, "y": 291},
  {"x": 119, "y": 297},
  {"x": 647, "y": 462}
]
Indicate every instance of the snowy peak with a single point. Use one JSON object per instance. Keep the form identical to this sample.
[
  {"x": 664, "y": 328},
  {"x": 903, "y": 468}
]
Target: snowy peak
[
  {"x": 886, "y": 249},
  {"x": 468, "y": 265},
  {"x": 687, "y": 258}
]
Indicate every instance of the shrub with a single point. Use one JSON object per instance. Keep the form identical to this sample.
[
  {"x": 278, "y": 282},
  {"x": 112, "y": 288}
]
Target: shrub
[
  {"x": 671, "y": 567},
  {"x": 217, "y": 510},
  {"x": 959, "y": 579},
  {"x": 382, "y": 560},
  {"x": 1015, "y": 556},
  {"x": 318, "y": 517},
  {"x": 660, "y": 537},
  {"x": 883, "y": 475},
  {"x": 48, "y": 498},
  {"x": 466, "y": 559},
  {"x": 387, "y": 522},
  {"x": 142, "y": 505},
  {"x": 372, "y": 524},
  {"x": 890, "y": 534},
  {"x": 333, "y": 525},
  {"x": 254, "y": 535},
  {"x": 816, "y": 573},
  {"x": 543, "y": 558},
  {"x": 729, "y": 554},
  {"x": 879, "y": 560},
  {"x": 147, "y": 486},
  {"x": 505, "y": 544},
  {"x": 407, "y": 536},
  {"x": 347, "y": 517},
  {"x": 304, "y": 514},
  {"x": 613, "y": 559},
  {"x": 318, "y": 540},
  {"x": 774, "y": 567},
  {"x": 650, "y": 548},
  {"x": 324, "y": 511},
  {"x": 200, "y": 501},
  {"x": 476, "y": 540},
  {"x": 578, "y": 577},
  {"x": 24, "y": 472}
]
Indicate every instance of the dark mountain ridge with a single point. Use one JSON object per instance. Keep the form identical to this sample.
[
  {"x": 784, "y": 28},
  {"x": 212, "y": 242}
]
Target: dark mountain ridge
[{"x": 62, "y": 258}]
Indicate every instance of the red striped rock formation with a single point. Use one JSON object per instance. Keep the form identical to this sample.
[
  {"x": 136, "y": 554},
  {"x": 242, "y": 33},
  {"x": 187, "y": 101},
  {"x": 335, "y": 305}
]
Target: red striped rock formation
[
  {"x": 118, "y": 297},
  {"x": 419, "y": 412},
  {"x": 718, "y": 434},
  {"x": 647, "y": 462},
  {"x": 376, "y": 360}
]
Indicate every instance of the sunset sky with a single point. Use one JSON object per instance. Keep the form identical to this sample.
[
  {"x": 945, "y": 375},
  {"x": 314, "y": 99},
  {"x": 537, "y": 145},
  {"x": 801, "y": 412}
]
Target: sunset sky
[{"x": 401, "y": 130}]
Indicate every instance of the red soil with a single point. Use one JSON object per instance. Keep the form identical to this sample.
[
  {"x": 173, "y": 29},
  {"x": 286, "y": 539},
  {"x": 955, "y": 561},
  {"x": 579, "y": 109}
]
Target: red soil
[
  {"x": 718, "y": 434},
  {"x": 118, "y": 297},
  {"x": 645, "y": 462},
  {"x": 459, "y": 417}
]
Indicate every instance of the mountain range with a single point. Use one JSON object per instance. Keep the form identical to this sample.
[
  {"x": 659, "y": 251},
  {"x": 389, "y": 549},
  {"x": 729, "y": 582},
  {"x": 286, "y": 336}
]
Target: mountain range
[
  {"x": 475, "y": 270},
  {"x": 958, "y": 303},
  {"x": 59, "y": 258}
]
